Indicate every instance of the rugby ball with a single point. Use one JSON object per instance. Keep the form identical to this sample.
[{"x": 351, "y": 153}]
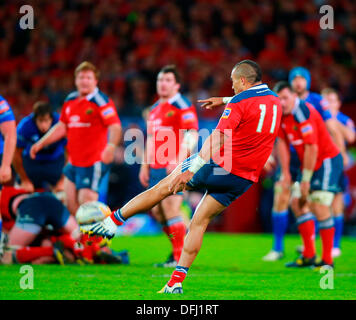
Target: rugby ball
[{"x": 91, "y": 212}]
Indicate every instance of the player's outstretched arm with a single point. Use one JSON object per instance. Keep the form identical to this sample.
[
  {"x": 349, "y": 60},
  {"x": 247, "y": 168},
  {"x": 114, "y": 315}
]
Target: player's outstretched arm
[
  {"x": 57, "y": 132},
  {"x": 214, "y": 102}
]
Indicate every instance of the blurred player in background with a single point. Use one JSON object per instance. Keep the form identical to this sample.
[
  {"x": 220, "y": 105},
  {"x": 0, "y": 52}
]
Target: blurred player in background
[
  {"x": 347, "y": 128},
  {"x": 41, "y": 230},
  {"x": 322, "y": 165},
  {"x": 90, "y": 122},
  {"x": 25, "y": 216},
  {"x": 46, "y": 169},
  {"x": 172, "y": 126},
  {"x": 7, "y": 149},
  {"x": 229, "y": 162},
  {"x": 299, "y": 79}
]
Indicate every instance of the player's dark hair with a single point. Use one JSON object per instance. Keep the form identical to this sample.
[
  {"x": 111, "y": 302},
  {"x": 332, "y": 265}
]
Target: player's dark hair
[
  {"x": 280, "y": 85},
  {"x": 171, "y": 68},
  {"x": 42, "y": 108},
  {"x": 250, "y": 70}
]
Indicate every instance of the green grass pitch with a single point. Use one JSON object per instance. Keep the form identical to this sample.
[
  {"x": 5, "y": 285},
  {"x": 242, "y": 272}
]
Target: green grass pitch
[{"x": 228, "y": 266}]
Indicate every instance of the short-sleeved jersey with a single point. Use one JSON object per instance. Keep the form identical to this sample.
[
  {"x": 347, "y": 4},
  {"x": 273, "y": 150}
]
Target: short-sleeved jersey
[
  {"x": 6, "y": 114},
  {"x": 305, "y": 126},
  {"x": 28, "y": 134},
  {"x": 167, "y": 122},
  {"x": 87, "y": 120},
  {"x": 251, "y": 121},
  {"x": 317, "y": 101}
]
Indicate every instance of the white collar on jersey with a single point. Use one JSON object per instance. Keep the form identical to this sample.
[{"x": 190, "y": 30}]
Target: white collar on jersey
[
  {"x": 91, "y": 95},
  {"x": 174, "y": 98},
  {"x": 258, "y": 87},
  {"x": 296, "y": 104}
]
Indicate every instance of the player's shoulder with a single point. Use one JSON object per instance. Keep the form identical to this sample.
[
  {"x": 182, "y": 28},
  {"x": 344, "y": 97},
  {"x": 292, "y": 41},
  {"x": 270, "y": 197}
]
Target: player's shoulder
[
  {"x": 302, "y": 111},
  {"x": 260, "y": 90},
  {"x": 4, "y": 105},
  {"x": 343, "y": 118},
  {"x": 2, "y": 99},
  {"x": 315, "y": 96},
  {"x": 99, "y": 98},
  {"x": 180, "y": 101},
  {"x": 316, "y": 100},
  {"x": 26, "y": 122},
  {"x": 71, "y": 96}
]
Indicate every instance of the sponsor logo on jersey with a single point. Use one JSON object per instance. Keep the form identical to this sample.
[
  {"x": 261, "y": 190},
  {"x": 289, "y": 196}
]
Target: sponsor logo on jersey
[
  {"x": 188, "y": 116},
  {"x": 74, "y": 118},
  {"x": 306, "y": 129},
  {"x": 170, "y": 114},
  {"x": 89, "y": 111},
  {"x": 108, "y": 112},
  {"x": 226, "y": 113}
]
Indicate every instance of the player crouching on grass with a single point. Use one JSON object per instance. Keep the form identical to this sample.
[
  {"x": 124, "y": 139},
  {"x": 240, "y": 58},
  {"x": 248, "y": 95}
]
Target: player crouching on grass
[
  {"x": 322, "y": 165},
  {"x": 26, "y": 216},
  {"x": 229, "y": 162},
  {"x": 41, "y": 230}
]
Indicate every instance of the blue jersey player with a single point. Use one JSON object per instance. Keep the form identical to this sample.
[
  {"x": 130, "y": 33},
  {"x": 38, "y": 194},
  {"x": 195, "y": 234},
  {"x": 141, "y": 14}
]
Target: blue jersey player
[
  {"x": 46, "y": 169},
  {"x": 7, "y": 148},
  {"x": 347, "y": 129}
]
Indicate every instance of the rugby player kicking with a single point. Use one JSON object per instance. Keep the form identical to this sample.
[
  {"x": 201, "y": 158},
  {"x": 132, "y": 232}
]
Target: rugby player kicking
[{"x": 229, "y": 162}]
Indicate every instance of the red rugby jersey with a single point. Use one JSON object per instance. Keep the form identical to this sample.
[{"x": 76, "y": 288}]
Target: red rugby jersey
[
  {"x": 251, "y": 120},
  {"x": 306, "y": 126},
  {"x": 87, "y": 120},
  {"x": 167, "y": 123}
]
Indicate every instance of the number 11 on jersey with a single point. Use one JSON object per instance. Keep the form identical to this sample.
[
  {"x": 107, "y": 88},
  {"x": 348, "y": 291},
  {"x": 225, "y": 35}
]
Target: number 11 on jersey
[{"x": 262, "y": 118}]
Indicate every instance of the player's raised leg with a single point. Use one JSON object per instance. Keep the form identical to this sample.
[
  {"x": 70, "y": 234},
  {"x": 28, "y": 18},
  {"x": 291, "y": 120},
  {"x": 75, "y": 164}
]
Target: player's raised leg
[
  {"x": 207, "y": 209},
  {"x": 141, "y": 203}
]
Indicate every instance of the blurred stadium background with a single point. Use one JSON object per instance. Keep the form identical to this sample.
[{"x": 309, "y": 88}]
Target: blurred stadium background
[{"x": 129, "y": 41}]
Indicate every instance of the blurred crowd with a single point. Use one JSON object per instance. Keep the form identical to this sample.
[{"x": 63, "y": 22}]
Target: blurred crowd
[{"x": 130, "y": 41}]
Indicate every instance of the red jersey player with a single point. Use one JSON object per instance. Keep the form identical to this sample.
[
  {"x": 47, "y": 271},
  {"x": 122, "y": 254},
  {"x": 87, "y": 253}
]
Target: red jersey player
[
  {"x": 240, "y": 146},
  {"x": 87, "y": 117},
  {"x": 172, "y": 134},
  {"x": 322, "y": 165}
]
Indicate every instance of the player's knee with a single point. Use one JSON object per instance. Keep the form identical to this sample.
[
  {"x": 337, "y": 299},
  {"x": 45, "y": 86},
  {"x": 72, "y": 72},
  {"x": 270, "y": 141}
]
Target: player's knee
[{"x": 322, "y": 197}]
